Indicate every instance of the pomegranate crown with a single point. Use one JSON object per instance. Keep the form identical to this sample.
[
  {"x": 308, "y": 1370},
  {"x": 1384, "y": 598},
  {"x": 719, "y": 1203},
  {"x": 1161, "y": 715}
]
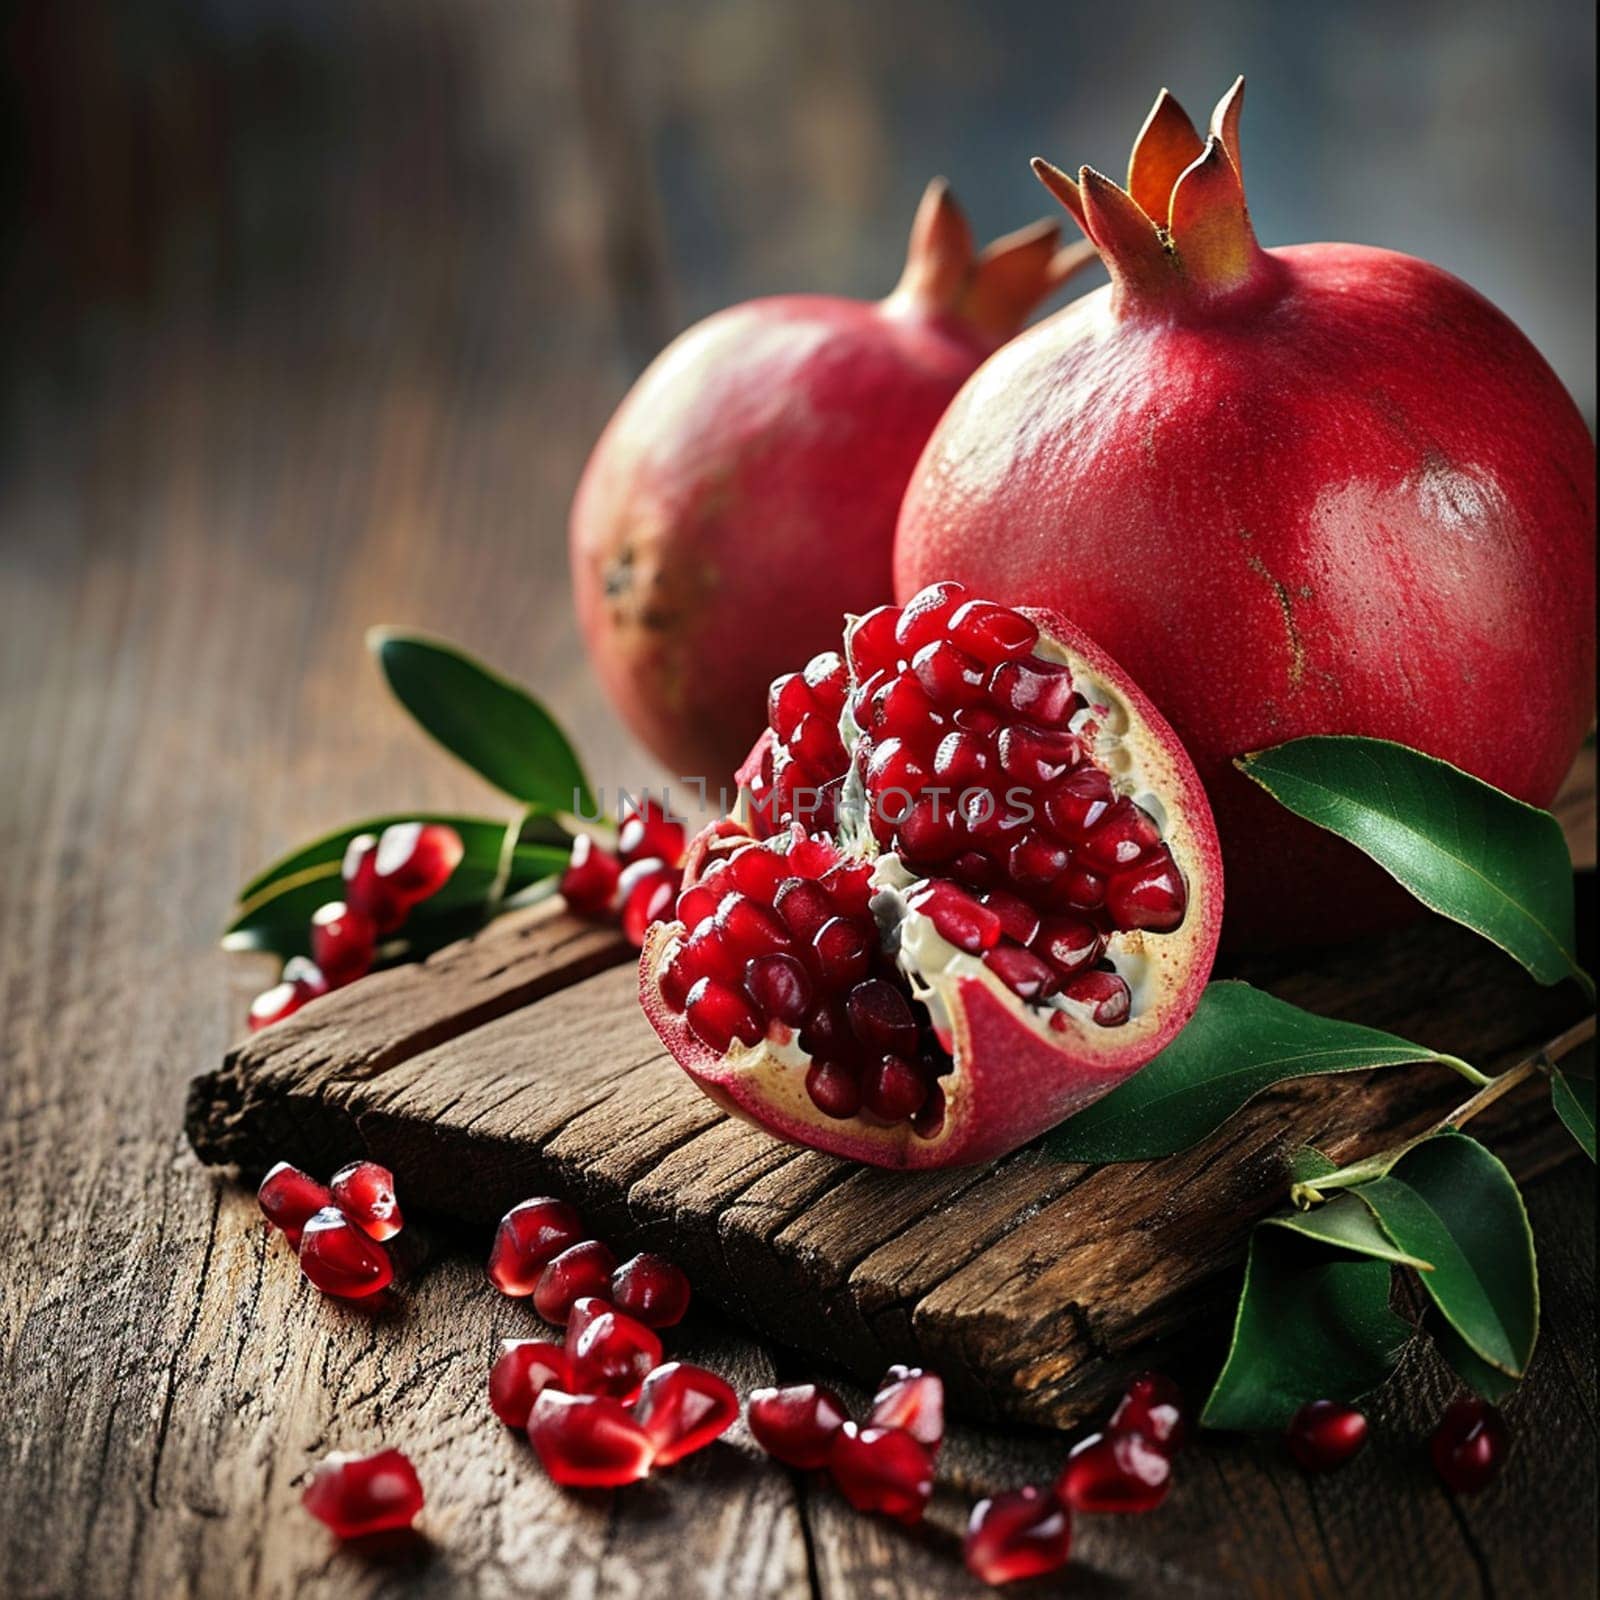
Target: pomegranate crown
[
  {"x": 992, "y": 290},
  {"x": 1180, "y": 230}
]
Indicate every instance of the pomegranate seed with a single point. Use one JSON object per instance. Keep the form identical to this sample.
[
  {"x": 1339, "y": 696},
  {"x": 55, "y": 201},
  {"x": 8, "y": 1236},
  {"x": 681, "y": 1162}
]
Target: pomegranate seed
[
  {"x": 850, "y": 889},
  {"x": 949, "y": 677},
  {"x": 757, "y": 873},
  {"x": 796, "y": 1425},
  {"x": 816, "y": 742},
  {"x": 608, "y": 1352},
  {"x": 289, "y": 1198},
  {"x": 779, "y": 987},
  {"x": 804, "y": 906},
  {"x": 1323, "y": 1435},
  {"x": 812, "y": 855},
  {"x": 1035, "y": 757},
  {"x": 364, "y": 1191},
  {"x": 530, "y": 1236},
  {"x": 646, "y": 890},
  {"x": 1152, "y": 895},
  {"x": 343, "y": 942},
  {"x": 835, "y": 1088},
  {"x": 789, "y": 702},
  {"x": 930, "y": 830},
  {"x": 1469, "y": 1444},
  {"x": 871, "y": 643},
  {"x": 962, "y": 761},
  {"x": 895, "y": 776},
  {"x": 580, "y": 1271},
  {"x": 992, "y": 633},
  {"x": 704, "y": 954},
  {"x": 1124, "y": 834},
  {"x": 972, "y": 867},
  {"x": 1122, "y": 1472},
  {"x": 902, "y": 708},
  {"x": 301, "y": 982},
  {"x": 696, "y": 905},
  {"x": 893, "y": 1089},
  {"x": 992, "y": 820},
  {"x": 929, "y": 1121},
  {"x": 1026, "y": 975},
  {"x": 1079, "y": 802},
  {"x": 415, "y": 860},
  {"x": 1152, "y": 1404},
  {"x": 882, "y": 1469},
  {"x": 1037, "y": 860},
  {"x": 976, "y": 719},
  {"x": 1081, "y": 890},
  {"x": 828, "y": 678},
  {"x": 590, "y": 879},
  {"x": 522, "y": 1371},
  {"x": 588, "y": 1441},
  {"x": 356, "y": 1495},
  {"x": 719, "y": 1014},
  {"x": 749, "y": 929},
  {"x": 340, "y": 1259},
  {"x": 843, "y": 952},
  {"x": 651, "y": 1289},
  {"x": 1022, "y": 1534},
  {"x": 913, "y": 1399},
  {"x": 363, "y": 889},
  {"x": 1041, "y": 691},
  {"x": 1105, "y": 994},
  {"x": 683, "y": 1408},
  {"x": 1018, "y": 920},
  {"x": 1069, "y": 944},
  {"x": 647, "y": 830},
  {"x": 925, "y": 615},
  {"x": 826, "y": 1035},
  {"x": 881, "y": 1017},
  {"x": 957, "y": 916}
]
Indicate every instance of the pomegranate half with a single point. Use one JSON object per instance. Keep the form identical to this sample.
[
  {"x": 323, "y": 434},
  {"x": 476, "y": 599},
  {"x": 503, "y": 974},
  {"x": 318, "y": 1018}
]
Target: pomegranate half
[
  {"x": 971, "y": 884},
  {"x": 762, "y": 457},
  {"x": 1323, "y": 489}
]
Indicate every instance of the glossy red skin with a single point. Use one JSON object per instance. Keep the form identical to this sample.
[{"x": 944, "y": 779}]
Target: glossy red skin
[
  {"x": 1353, "y": 499},
  {"x": 755, "y": 468}
]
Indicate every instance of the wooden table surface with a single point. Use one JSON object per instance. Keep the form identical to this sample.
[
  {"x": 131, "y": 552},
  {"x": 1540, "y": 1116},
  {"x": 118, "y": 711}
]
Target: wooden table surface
[{"x": 206, "y": 500}]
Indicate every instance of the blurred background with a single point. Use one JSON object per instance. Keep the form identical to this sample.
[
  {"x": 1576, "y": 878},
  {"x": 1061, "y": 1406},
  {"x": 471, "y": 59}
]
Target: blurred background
[{"x": 312, "y": 308}]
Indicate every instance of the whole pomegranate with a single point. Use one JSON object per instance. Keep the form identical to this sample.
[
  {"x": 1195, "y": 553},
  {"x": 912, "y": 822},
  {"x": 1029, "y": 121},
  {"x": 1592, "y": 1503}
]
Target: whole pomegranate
[
  {"x": 744, "y": 494},
  {"x": 1323, "y": 489},
  {"x": 972, "y": 885}
]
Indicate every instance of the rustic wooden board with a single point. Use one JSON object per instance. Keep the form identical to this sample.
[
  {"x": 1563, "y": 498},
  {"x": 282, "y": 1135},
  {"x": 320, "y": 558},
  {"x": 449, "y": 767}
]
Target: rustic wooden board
[{"x": 519, "y": 1062}]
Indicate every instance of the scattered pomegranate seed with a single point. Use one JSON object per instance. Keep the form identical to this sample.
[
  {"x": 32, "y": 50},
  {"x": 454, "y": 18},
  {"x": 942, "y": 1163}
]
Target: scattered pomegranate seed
[
  {"x": 588, "y": 1441},
  {"x": 364, "y": 1191},
  {"x": 379, "y": 900},
  {"x": 682, "y": 1408},
  {"x": 882, "y": 1469},
  {"x": 796, "y": 1425},
  {"x": 300, "y": 983},
  {"x": 590, "y": 879},
  {"x": 647, "y": 830},
  {"x": 1022, "y": 1534},
  {"x": 1152, "y": 1404},
  {"x": 581, "y": 1271},
  {"x": 343, "y": 942},
  {"x": 340, "y": 1259},
  {"x": 415, "y": 860},
  {"x": 289, "y": 1198},
  {"x": 912, "y": 1399},
  {"x": 356, "y": 1495},
  {"x": 1323, "y": 1435},
  {"x": 608, "y": 1352},
  {"x": 529, "y": 1238},
  {"x": 522, "y": 1371},
  {"x": 1117, "y": 1472},
  {"x": 1469, "y": 1444},
  {"x": 652, "y": 1289}
]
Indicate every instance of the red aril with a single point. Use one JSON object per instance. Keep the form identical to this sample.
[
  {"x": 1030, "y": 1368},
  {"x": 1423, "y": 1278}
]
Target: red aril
[
  {"x": 608, "y": 1352},
  {"x": 682, "y": 1408},
  {"x": 529, "y": 1238},
  {"x": 652, "y": 1289},
  {"x": 646, "y": 829},
  {"x": 1206, "y": 462},
  {"x": 343, "y": 942},
  {"x": 522, "y": 1371},
  {"x": 415, "y": 860},
  {"x": 883, "y": 1470},
  {"x": 646, "y": 892},
  {"x": 589, "y": 882},
  {"x": 301, "y": 982},
  {"x": 357, "y": 1495},
  {"x": 588, "y": 1441},
  {"x": 1116, "y": 1472},
  {"x": 581, "y": 1271},
  {"x": 364, "y": 1191},
  {"x": 1152, "y": 1404},
  {"x": 340, "y": 1259},
  {"x": 1469, "y": 1444},
  {"x": 380, "y": 901},
  {"x": 796, "y": 1424},
  {"x": 911, "y": 991},
  {"x": 1323, "y": 1435},
  {"x": 760, "y": 461},
  {"x": 1022, "y": 1534},
  {"x": 289, "y": 1198},
  {"x": 912, "y": 1399}
]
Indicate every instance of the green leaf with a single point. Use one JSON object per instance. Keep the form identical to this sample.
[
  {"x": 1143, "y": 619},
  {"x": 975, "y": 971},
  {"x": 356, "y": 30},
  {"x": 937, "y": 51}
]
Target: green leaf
[
  {"x": 485, "y": 720},
  {"x": 1573, "y": 1099},
  {"x": 1477, "y": 1374},
  {"x": 1346, "y": 1224},
  {"x": 1451, "y": 1202},
  {"x": 1464, "y": 848},
  {"x": 1312, "y": 1324},
  {"x": 1240, "y": 1041},
  {"x": 276, "y": 917}
]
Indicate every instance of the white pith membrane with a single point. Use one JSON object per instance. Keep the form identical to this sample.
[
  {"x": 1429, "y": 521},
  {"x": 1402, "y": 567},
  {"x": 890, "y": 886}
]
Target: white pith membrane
[{"x": 1155, "y": 966}]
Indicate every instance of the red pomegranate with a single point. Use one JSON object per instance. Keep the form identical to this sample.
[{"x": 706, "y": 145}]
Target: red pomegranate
[
  {"x": 744, "y": 494},
  {"x": 972, "y": 884},
  {"x": 1322, "y": 489}
]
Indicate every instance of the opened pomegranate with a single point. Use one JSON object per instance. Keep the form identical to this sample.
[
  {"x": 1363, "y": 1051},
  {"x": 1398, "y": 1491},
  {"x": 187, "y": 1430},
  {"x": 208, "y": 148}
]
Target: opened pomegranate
[
  {"x": 762, "y": 456},
  {"x": 972, "y": 885},
  {"x": 1323, "y": 489}
]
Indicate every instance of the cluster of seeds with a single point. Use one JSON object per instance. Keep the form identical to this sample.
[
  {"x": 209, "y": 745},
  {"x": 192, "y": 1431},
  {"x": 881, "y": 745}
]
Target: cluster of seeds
[
  {"x": 385, "y": 876},
  {"x": 638, "y": 882},
  {"x": 780, "y": 934},
  {"x": 339, "y": 1230}
]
